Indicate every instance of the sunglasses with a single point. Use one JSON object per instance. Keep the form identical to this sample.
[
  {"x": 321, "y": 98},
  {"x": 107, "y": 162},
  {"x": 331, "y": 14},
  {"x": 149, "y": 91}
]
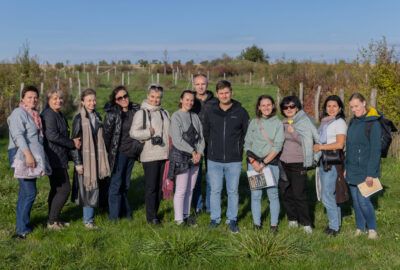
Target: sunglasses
[
  {"x": 126, "y": 96},
  {"x": 286, "y": 107},
  {"x": 159, "y": 88}
]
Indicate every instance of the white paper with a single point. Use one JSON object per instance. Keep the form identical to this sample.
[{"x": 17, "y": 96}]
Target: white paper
[{"x": 269, "y": 177}]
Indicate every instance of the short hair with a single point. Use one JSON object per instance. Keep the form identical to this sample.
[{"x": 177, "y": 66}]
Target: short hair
[
  {"x": 29, "y": 88},
  {"x": 52, "y": 92},
  {"x": 155, "y": 87},
  {"x": 200, "y": 75},
  {"x": 223, "y": 84},
  {"x": 289, "y": 99},
  {"x": 114, "y": 94},
  {"x": 258, "y": 111},
  {"x": 358, "y": 96},
  {"x": 183, "y": 94},
  {"x": 340, "y": 104},
  {"x": 87, "y": 92}
]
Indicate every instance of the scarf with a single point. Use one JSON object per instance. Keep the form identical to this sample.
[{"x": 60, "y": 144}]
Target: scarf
[
  {"x": 89, "y": 154},
  {"x": 35, "y": 115},
  {"x": 323, "y": 128}
]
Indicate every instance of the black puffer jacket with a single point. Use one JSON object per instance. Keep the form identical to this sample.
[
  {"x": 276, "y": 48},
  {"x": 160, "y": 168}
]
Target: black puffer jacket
[
  {"x": 224, "y": 132},
  {"x": 200, "y": 107},
  {"x": 112, "y": 127},
  {"x": 56, "y": 143}
]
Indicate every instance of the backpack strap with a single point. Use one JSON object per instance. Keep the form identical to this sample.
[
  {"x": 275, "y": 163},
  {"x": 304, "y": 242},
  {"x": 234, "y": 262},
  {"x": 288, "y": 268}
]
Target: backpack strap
[{"x": 368, "y": 127}]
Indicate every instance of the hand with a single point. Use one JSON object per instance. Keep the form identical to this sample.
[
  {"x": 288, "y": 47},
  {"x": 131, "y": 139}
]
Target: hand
[
  {"x": 258, "y": 166},
  {"x": 369, "y": 180},
  {"x": 266, "y": 161},
  {"x": 194, "y": 157},
  {"x": 317, "y": 147},
  {"x": 79, "y": 171},
  {"x": 77, "y": 142},
  {"x": 151, "y": 131},
  {"x": 344, "y": 174},
  {"x": 198, "y": 155},
  {"x": 30, "y": 161}
]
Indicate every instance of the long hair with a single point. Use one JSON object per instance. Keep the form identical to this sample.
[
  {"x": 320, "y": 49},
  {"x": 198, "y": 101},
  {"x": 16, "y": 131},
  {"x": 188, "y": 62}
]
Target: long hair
[
  {"x": 340, "y": 104},
  {"x": 258, "y": 111}
]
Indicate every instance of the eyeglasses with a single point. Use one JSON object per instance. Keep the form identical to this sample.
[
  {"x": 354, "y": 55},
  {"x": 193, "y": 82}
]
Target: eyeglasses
[
  {"x": 291, "y": 106},
  {"x": 126, "y": 96}
]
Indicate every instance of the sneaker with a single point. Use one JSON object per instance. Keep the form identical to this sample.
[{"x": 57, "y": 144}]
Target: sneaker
[
  {"x": 198, "y": 212},
  {"x": 293, "y": 224},
  {"x": 21, "y": 236},
  {"x": 91, "y": 226},
  {"x": 64, "y": 224},
  {"x": 274, "y": 229},
  {"x": 55, "y": 226},
  {"x": 358, "y": 232},
  {"x": 257, "y": 227},
  {"x": 190, "y": 222},
  {"x": 307, "y": 229},
  {"x": 155, "y": 222},
  {"x": 330, "y": 231},
  {"x": 372, "y": 234},
  {"x": 233, "y": 226},
  {"x": 179, "y": 223},
  {"x": 213, "y": 224}
]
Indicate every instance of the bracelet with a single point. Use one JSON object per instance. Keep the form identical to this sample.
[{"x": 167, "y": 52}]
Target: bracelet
[{"x": 251, "y": 162}]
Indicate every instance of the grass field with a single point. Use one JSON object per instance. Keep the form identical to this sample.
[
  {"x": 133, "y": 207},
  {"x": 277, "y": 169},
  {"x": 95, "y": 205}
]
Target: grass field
[{"x": 133, "y": 244}]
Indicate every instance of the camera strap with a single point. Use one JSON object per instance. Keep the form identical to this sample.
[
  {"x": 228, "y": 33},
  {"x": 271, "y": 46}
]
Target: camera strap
[{"x": 162, "y": 123}]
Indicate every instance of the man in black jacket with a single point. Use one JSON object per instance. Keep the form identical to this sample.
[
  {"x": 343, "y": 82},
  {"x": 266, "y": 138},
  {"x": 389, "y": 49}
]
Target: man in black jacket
[
  {"x": 225, "y": 126},
  {"x": 203, "y": 100}
]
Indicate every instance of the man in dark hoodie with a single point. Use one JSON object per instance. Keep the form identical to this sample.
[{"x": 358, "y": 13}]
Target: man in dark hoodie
[
  {"x": 225, "y": 127},
  {"x": 203, "y": 100}
]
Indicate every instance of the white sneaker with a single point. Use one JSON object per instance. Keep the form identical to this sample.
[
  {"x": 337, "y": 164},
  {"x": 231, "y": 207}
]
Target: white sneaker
[
  {"x": 307, "y": 229},
  {"x": 358, "y": 232},
  {"x": 293, "y": 224},
  {"x": 91, "y": 226},
  {"x": 372, "y": 234}
]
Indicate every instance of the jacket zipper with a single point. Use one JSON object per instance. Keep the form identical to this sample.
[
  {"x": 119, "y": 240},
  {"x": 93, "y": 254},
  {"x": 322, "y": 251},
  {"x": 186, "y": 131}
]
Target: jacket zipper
[
  {"x": 359, "y": 153},
  {"x": 224, "y": 136}
]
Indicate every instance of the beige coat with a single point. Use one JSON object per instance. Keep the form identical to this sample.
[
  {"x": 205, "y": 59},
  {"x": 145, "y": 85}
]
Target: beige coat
[{"x": 151, "y": 152}]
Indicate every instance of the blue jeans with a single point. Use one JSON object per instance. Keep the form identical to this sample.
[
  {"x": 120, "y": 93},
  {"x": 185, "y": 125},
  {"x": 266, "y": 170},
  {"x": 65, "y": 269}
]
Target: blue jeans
[
  {"x": 88, "y": 214},
  {"x": 215, "y": 174},
  {"x": 197, "y": 200},
  {"x": 273, "y": 196},
  {"x": 26, "y": 197},
  {"x": 363, "y": 210},
  {"x": 328, "y": 189},
  {"x": 118, "y": 203}
]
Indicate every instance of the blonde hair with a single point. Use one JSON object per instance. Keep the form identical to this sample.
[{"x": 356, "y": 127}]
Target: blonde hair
[{"x": 54, "y": 91}]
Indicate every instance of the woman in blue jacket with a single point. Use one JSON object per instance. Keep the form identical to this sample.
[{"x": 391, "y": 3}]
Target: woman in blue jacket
[{"x": 362, "y": 161}]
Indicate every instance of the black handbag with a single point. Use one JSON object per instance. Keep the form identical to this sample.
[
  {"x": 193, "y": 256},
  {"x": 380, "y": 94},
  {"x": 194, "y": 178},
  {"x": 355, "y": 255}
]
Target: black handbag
[{"x": 332, "y": 157}]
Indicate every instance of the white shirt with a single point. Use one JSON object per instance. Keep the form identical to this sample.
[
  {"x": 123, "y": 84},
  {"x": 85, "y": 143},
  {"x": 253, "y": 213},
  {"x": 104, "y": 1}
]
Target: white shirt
[{"x": 335, "y": 128}]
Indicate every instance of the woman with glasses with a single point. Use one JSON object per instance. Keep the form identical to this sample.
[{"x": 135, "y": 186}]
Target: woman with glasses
[
  {"x": 121, "y": 150},
  {"x": 151, "y": 126},
  {"x": 297, "y": 155}
]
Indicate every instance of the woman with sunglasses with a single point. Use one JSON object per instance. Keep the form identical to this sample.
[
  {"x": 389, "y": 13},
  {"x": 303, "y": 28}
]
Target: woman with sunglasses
[
  {"x": 297, "y": 155},
  {"x": 151, "y": 126},
  {"x": 121, "y": 150}
]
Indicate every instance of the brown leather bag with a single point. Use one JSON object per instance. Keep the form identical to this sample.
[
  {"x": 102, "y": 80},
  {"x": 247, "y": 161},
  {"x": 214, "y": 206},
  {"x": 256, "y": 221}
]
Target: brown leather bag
[{"x": 342, "y": 191}]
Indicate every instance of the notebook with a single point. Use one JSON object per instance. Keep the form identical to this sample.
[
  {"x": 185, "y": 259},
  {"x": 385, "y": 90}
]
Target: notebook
[{"x": 367, "y": 191}]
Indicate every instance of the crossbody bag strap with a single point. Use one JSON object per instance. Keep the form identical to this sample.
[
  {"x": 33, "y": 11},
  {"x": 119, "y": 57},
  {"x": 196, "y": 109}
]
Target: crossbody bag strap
[{"x": 263, "y": 132}]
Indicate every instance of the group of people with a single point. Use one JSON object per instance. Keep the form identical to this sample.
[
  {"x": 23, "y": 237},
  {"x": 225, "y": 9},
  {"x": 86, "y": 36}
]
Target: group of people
[{"x": 205, "y": 130}]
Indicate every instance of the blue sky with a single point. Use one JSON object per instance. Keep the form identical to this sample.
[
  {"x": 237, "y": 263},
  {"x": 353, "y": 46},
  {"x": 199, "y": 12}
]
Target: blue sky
[{"x": 81, "y": 31}]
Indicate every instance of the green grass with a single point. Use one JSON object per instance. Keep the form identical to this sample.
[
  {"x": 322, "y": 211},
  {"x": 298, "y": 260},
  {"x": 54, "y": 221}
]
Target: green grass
[{"x": 133, "y": 244}]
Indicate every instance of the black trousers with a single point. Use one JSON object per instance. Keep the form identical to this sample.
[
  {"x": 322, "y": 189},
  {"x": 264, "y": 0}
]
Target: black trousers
[
  {"x": 60, "y": 188},
  {"x": 295, "y": 197},
  {"x": 153, "y": 173}
]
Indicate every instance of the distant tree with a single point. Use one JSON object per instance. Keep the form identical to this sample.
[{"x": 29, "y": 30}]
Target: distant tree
[
  {"x": 190, "y": 62},
  {"x": 204, "y": 63},
  {"x": 143, "y": 63},
  {"x": 59, "y": 65},
  {"x": 124, "y": 62},
  {"x": 155, "y": 62},
  {"x": 103, "y": 63},
  {"x": 254, "y": 54}
]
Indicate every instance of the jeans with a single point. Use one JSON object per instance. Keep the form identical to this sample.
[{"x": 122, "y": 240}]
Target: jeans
[
  {"x": 26, "y": 197},
  {"x": 184, "y": 184},
  {"x": 363, "y": 210},
  {"x": 273, "y": 196},
  {"x": 118, "y": 203},
  {"x": 197, "y": 200},
  {"x": 88, "y": 214},
  {"x": 328, "y": 188},
  {"x": 215, "y": 174}
]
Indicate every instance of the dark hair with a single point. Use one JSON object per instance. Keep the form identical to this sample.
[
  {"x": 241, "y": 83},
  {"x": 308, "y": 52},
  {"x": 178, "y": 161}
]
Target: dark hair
[
  {"x": 223, "y": 84},
  {"x": 289, "y": 99},
  {"x": 200, "y": 75},
  {"x": 87, "y": 92},
  {"x": 357, "y": 96},
  {"x": 155, "y": 87},
  {"x": 340, "y": 104},
  {"x": 183, "y": 94},
  {"x": 29, "y": 88},
  {"x": 258, "y": 111},
  {"x": 114, "y": 93}
]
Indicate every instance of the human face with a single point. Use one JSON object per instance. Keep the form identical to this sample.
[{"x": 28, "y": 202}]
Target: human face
[
  {"x": 266, "y": 107},
  {"x": 332, "y": 108},
  {"x": 89, "y": 102},
  {"x": 154, "y": 98},
  {"x": 55, "y": 102},
  {"x": 200, "y": 85},
  {"x": 224, "y": 95},
  {"x": 122, "y": 99},
  {"x": 358, "y": 107},
  {"x": 187, "y": 102},
  {"x": 290, "y": 109},
  {"x": 30, "y": 99}
]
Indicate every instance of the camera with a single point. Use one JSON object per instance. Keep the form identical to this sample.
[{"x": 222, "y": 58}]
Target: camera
[{"x": 156, "y": 140}]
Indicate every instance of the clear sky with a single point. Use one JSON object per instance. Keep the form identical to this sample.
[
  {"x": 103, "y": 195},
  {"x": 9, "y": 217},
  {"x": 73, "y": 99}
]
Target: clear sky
[{"x": 81, "y": 31}]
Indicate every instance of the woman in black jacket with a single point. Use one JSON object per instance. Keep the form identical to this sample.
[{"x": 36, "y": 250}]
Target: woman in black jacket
[
  {"x": 122, "y": 150},
  {"x": 57, "y": 144}
]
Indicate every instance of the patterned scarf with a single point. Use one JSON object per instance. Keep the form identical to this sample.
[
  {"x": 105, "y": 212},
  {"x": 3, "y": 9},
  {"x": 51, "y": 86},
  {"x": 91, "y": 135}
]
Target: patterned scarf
[
  {"x": 35, "y": 115},
  {"x": 323, "y": 128}
]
